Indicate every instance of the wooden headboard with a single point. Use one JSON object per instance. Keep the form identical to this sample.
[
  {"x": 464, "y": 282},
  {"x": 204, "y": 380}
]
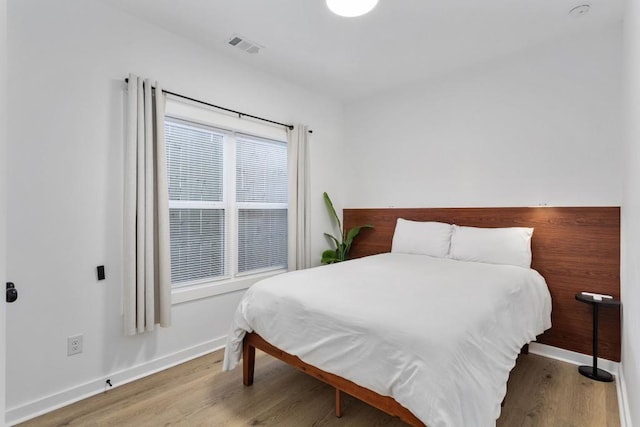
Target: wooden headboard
[{"x": 574, "y": 248}]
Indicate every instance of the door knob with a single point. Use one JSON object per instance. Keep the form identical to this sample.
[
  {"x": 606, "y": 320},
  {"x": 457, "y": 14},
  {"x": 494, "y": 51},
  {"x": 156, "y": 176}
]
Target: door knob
[{"x": 12, "y": 292}]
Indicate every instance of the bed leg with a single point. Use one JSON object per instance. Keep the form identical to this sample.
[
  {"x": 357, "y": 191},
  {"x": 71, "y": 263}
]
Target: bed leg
[
  {"x": 525, "y": 349},
  {"x": 248, "y": 362},
  {"x": 338, "y": 403}
]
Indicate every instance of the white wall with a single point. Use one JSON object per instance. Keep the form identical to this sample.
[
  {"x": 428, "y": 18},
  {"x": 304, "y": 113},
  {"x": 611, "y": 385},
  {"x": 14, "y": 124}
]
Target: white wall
[
  {"x": 68, "y": 62},
  {"x": 3, "y": 196},
  {"x": 541, "y": 126},
  {"x": 630, "y": 283}
]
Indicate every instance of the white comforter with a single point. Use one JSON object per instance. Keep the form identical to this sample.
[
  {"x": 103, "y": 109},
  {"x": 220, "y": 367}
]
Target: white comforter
[{"x": 439, "y": 336}]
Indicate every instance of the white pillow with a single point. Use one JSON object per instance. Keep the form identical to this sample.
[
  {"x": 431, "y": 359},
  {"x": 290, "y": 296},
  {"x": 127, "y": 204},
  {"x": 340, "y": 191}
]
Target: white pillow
[
  {"x": 510, "y": 246},
  {"x": 424, "y": 238}
]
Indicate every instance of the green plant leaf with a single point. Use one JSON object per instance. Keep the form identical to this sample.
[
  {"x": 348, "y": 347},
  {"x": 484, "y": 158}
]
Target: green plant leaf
[
  {"x": 329, "y": 203},
  {"x": 337, "y": 243},
  {"x": 342, "y": 252},
  {"x": 352, "y": 234},
  {"x": 329, "y": 257}
]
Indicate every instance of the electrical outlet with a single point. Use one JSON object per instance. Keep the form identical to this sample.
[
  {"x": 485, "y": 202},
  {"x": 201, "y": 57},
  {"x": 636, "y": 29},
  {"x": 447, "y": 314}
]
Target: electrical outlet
[{"x": 74, "y": 345}]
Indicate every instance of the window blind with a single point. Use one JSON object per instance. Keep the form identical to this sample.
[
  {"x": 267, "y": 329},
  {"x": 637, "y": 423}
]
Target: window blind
[
  {"x": 262, "y": 239},
  {"x": 195, "y": 162},
  {"x": 261, "y": 171},
  {"x": 195, "y": 166},
  {"x": 197, "y": 244},
  {"x": 262, "y": 194}
]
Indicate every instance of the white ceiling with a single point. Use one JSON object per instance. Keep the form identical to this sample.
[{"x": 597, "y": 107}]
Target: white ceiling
[{"x": 400, "y": 41}]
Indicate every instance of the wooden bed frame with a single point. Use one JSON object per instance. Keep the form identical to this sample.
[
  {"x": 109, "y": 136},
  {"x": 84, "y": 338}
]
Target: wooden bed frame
[
  {"x": 384, "y": 403},
  {"x": 575, "y": 249}
]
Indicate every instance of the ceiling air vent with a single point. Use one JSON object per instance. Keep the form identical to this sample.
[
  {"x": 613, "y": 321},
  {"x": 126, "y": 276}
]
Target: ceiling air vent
[{"x": 245, "y": 44}]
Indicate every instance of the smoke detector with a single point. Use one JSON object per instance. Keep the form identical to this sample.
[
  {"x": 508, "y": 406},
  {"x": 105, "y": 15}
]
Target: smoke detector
[
  {"x": 580, "y": 10},
  {"x": 245, "y": 44}
]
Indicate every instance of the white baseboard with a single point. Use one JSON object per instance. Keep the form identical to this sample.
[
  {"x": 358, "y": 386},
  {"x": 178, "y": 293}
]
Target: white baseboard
[
  {"x": 572, "y": 357},
  {"x": 74, "y": 394},
  {"x": 623, "y": 399}
]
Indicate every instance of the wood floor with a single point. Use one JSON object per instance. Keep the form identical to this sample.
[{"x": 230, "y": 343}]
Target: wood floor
[{"x": 541, "y": 392}]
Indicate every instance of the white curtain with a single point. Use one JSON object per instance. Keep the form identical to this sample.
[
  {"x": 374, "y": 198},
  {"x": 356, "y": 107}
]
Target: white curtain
[
  {"x": 299, "y": 198},
  {"x": 147, "y": 263}
]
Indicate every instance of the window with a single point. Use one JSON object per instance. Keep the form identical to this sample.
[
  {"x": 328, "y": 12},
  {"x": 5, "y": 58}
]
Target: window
[
  {"x": 228, "y": 200},
  {"x": 261, "y": 199}
]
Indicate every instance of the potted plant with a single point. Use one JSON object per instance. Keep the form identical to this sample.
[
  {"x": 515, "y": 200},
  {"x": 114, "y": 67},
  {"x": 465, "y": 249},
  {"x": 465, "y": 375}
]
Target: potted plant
[{"x": 342, "y": 246}]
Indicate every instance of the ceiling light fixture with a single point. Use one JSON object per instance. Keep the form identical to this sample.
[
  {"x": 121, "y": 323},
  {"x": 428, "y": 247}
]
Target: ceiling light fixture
[{"x": 351, "y": 8}]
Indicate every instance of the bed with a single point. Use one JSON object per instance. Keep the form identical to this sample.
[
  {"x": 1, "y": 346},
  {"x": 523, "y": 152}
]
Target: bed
[{"x": 422, "y": 336}]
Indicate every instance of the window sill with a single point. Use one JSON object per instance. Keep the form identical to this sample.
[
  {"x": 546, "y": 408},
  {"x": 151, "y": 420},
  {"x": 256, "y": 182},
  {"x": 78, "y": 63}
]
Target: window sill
[{"x": 211, "y": 289}]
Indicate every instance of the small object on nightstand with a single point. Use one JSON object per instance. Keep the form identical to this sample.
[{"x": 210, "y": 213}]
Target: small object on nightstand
[
  {"x": 596, "y": 300},
  {"x": 597, "y": 297}
]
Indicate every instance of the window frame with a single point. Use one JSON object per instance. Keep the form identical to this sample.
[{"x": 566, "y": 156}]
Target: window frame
[{"x": 230, "y": 127}]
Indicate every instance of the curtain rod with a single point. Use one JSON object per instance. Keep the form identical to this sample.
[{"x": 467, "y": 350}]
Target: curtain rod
[{"x": 239, "y": 113}]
